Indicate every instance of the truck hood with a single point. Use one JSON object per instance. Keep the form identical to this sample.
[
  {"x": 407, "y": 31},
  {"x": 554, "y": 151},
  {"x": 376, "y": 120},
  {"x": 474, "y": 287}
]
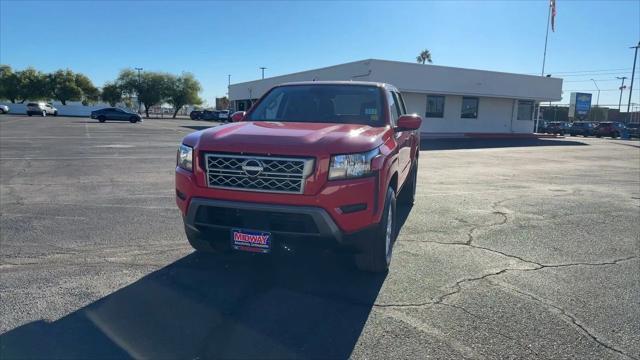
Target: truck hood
[{"x": 290, "y": 138}]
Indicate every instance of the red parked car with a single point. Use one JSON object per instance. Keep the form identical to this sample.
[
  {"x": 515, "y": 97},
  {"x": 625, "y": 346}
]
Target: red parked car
[
  {"x": 322, "y": 163},
  {"x": 610, "y": 128}
]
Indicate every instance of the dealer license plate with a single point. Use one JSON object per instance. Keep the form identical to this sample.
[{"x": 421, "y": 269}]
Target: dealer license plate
[{"x": 251, "y": 240}]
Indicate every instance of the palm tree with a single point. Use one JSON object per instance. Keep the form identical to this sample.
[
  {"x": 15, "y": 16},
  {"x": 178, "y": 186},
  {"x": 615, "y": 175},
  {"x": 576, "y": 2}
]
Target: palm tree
[{"x": 425, "y": 56}]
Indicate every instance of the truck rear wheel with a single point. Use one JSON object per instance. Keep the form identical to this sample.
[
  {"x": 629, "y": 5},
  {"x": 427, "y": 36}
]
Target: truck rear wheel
[{"x": 375, "y": 252}]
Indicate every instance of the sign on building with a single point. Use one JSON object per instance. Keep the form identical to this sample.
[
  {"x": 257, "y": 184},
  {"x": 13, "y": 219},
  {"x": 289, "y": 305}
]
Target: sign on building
[{"x": 579, "y": 106}]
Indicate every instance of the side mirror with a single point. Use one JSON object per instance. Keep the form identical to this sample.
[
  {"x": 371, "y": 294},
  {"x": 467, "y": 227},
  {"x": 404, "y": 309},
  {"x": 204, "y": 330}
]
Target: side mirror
[
  {"x": 409, "y": 122},
  {"x": 238, "y": 116}
]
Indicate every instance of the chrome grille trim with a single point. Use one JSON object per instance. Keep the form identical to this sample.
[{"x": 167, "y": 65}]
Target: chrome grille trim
[{"x": 280, "y": 174}]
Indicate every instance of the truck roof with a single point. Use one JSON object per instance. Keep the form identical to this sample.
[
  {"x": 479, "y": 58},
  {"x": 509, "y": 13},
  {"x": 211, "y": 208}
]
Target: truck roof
[{"x": 342, "y": 82}]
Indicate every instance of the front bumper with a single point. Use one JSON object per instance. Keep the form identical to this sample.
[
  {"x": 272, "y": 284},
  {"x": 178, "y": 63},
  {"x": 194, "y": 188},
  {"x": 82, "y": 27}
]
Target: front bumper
[
  {"x": 282, "y": 220},
  {"x": 346, "y": 205}
]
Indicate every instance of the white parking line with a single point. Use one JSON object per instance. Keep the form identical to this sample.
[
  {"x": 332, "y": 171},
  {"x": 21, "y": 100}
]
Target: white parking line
[{"x": 45, "y": 216}]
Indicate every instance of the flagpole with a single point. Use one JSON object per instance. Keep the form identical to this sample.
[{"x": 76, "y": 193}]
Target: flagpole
[{"x": 544, "y": 58}]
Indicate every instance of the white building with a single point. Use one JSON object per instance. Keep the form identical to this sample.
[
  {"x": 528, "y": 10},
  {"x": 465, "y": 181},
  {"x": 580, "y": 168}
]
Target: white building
[{"x": 452, "y": 101}]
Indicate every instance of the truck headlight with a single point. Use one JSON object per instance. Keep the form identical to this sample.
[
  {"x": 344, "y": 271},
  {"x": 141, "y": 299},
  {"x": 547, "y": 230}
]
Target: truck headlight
[
  {"x": 351, "y": 165},
  {"x": 185, "y": 157}
]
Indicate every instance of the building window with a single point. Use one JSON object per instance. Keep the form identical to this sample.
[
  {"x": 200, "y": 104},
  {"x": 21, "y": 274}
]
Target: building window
[
  {"x": 435, "y": 106},
  {"x": 469, "y": 108},
  {"x": 525, "y": 110}
]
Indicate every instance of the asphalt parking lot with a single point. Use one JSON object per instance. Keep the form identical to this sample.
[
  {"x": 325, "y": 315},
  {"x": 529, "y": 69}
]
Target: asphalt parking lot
[{"x": 519, "y": 249}]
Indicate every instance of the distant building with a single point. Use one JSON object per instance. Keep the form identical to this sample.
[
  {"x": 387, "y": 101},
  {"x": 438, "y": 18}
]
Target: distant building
[{"x": 452, "y": 101}]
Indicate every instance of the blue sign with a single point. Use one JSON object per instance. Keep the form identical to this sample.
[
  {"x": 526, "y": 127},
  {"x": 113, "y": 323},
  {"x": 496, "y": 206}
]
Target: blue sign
[{"x": 583, "y": 104}]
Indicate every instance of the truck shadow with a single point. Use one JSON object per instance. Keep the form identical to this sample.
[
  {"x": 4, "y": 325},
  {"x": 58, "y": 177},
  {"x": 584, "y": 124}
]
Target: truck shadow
[{"x": 215, "y": 306}]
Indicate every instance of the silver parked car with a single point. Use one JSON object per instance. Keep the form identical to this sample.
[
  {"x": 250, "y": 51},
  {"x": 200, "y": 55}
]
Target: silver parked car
[
  {"x": 41, "y": 108},
  {"x": 115, "y": 114},
  {"x": 4, "y": 109}
]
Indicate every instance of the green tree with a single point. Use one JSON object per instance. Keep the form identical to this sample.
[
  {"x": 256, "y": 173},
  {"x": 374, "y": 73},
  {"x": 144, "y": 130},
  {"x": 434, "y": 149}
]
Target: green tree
[
  {"x": 424, "y": 57},
  {"x": 151, "y": 88},
  {"x": 9, "y": 84},
  {"x": 33, "y": 85},
  {"x": 111, "y": 93},
  {"x": 64, "y": 87},
  {"x": 90, "y": 93},
  {"x": 183, "y": 90}
]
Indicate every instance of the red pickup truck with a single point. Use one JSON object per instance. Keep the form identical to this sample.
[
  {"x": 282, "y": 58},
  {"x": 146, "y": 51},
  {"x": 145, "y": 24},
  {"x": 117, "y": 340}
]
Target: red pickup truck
[{"x": 310, "y": 163}]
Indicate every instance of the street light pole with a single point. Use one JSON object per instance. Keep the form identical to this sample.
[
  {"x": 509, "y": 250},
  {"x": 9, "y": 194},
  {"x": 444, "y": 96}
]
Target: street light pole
[
  {"x": 621, "y": 88},
  {"x": 633, "y": 73},
  {"x": 262, "y": 68},
  {"x": 138, "y": 92}
]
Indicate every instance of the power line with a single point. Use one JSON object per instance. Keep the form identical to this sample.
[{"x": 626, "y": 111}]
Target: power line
[
  {"x": 579, "y": 75},
  {"x": 591, "y": 90},
  {"x": 603, "y": 80},
  {"x": 588, "y": 71}
]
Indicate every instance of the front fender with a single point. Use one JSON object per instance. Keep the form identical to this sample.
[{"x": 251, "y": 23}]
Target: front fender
[{"x": 387, "y": 164}]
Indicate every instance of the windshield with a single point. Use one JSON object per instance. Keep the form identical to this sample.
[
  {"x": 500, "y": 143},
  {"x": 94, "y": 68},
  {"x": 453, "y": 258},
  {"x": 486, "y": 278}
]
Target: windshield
[{"x": 349, "y": 104}]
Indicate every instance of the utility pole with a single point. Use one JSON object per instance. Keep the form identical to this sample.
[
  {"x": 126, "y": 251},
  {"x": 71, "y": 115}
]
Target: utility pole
[
  {"x": 138, "y": 92},
  {"x": 598, "y": 99},
  {"x": 544, "y": 58},
  {"x": 622, "y": 87},
  {"x": 228, "y": 91},
  {"x": 633, "y": 73},
  {"x": 597, "y": 115},
  {"x": 262, "y": 68}
]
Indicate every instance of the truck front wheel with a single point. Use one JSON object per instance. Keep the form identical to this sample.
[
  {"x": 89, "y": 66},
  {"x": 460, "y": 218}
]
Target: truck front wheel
[
  {"x": 407, "y": 196},
  {"x": 375, "y": 252},
  {"x": 197, "y": 241}
]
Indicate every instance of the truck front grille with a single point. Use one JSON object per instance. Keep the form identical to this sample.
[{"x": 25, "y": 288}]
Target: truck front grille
[{"x": 257, "y": 173}]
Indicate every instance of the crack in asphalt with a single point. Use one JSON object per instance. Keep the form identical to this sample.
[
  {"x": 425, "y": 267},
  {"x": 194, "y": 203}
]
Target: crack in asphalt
[
  {"x": 525, "y": 348},
  {"x": 582, "y": 328},
  {"x": 457, "y": 287}
]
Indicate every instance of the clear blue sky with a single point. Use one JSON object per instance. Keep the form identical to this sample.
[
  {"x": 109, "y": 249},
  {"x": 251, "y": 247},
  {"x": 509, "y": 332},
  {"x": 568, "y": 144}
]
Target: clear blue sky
[{"x": 212, "y": 39}]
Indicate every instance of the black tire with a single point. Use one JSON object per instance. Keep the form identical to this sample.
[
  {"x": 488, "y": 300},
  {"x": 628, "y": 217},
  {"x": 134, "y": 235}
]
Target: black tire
[
  {"x": 375, "y": 252},
  {"x": 102, "y": 119},
  {"x": 615, "y": 135},
  {"x": 133, "y": 120},
  {"x": 55, "y": 113},
  {"x": 407, "y": 196},
  {"x": 29, "y": 113},
  {"x": 197, "y": 242}
]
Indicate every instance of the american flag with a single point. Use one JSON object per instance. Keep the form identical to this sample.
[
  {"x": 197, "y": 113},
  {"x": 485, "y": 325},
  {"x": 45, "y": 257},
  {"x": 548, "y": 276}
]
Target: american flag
[{"x": 552, "y": 4}]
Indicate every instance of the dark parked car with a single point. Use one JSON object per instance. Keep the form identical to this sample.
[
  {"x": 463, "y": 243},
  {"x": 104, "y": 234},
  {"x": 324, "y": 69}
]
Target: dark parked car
[
  {"x": 216, "y": 115},
  {"x": 582, "y": 128},
  {"x": 557, "y": 127},
  {"x": 611, "y": 129},
  {"x": 115, "y": 114},
  {"x": 195, "y": 114},
  {"x": 633, "y": 130}
]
